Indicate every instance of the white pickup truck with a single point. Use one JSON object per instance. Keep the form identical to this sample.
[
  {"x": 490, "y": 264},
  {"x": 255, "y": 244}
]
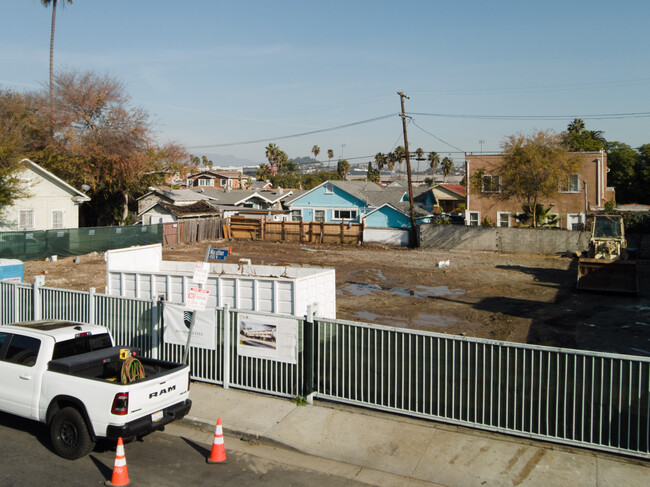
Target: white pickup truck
[{"x": 69, "y": 376}]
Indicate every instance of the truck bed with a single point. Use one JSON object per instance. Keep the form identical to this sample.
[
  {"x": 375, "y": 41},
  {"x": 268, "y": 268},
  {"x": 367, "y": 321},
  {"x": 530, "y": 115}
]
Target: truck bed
[{"x": 105, "y": 364}]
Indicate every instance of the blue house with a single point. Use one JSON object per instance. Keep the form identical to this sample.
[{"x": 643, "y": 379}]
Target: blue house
[{"x": 354, "y": 201}]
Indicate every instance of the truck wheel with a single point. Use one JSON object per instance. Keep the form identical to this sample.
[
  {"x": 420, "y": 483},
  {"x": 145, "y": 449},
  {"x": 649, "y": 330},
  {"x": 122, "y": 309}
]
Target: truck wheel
[{"x": 69, "y": 434}]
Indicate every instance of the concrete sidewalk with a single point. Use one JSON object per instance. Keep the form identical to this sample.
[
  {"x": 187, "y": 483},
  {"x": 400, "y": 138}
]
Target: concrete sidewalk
[{"x": 408, "y": 450}]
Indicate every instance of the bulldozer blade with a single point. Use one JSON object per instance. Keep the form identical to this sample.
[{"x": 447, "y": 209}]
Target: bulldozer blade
[{"x": 618, "y": 276}]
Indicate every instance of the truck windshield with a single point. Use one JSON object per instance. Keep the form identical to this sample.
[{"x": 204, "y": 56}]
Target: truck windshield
[{"x": 75, "y": 346}]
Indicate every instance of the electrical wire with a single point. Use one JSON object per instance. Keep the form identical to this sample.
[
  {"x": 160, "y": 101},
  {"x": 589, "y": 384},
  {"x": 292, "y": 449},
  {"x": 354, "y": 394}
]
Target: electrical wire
[
  {"x": 302, "y": 134},
  {"x": 132, "y": 370}
]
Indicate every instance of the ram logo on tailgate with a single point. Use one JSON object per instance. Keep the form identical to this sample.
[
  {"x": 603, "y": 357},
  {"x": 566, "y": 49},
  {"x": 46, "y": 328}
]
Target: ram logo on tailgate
[{"x": 162, "y": 391}]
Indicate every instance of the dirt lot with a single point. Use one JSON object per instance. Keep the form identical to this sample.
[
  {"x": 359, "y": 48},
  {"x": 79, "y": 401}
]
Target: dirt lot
[{"x": 522, "y": 298}]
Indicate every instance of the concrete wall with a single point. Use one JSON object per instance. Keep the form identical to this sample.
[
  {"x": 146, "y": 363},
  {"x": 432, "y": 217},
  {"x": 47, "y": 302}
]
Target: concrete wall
[{"x": 498, "y": 239}]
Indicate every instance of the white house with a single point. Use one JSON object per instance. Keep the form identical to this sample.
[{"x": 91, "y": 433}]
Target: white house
[{"x": 51, "y": 203}]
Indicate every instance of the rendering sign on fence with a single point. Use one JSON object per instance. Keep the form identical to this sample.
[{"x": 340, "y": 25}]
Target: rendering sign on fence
[
  {"x": 177, "y": 326},
  {"x": 268, "y": 337}
]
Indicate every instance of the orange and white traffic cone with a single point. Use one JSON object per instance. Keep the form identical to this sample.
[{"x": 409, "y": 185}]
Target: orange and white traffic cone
[
  {"x": 120, "y": 474},
  {"x": 218, "y": 453}
]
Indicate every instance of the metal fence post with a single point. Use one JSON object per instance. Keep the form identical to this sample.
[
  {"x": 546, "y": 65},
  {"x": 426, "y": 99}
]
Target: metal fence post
[
  {"x": 36, "y": 297},
  {"x": 308, "y": 356},
  {"x": 16, "y": 303},
  {"x": 91, "y": 306},
  {"x": 155, "y": 325},
  {"x": 226, "y": 346}
]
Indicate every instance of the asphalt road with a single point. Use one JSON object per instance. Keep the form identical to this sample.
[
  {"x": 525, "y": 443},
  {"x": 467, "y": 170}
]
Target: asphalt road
[{"x": 176, "y": 457}]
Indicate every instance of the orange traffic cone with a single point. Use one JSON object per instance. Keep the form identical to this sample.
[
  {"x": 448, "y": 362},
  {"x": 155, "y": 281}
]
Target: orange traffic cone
[
  {"x": 120, "y": 474},
  {"x": 218, "y": 453}
]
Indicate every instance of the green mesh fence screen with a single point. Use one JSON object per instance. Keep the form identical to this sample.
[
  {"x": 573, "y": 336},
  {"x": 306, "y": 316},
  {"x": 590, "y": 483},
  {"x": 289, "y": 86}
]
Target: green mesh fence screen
[{"x": 35, "y": 245}]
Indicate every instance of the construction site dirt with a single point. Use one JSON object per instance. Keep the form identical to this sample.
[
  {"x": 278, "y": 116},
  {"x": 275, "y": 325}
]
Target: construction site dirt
[{"x": 519, "y": 298}]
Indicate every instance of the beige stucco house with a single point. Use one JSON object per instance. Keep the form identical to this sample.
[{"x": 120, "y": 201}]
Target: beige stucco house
[{"x": 51, "y": 202}]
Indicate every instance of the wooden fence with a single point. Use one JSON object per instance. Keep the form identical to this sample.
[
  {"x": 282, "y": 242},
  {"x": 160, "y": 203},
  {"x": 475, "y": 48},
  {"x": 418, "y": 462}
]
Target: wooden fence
[
  {"x": 190, "y": 231},
  {"x": 240, "y": 228}
]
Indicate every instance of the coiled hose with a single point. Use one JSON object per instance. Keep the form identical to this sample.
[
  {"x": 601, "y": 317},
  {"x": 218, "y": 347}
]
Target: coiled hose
[{"x": 132, "y": 370}]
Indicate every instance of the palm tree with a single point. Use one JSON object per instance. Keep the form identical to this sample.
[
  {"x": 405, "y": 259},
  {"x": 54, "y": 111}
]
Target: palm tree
[
  {"x": 419, "y": 154},
  {"x": 315, "y": 150},
  {"x": 330, "y": 155},
  {"x": 272, "y": 152},
  {"x": 447, "y": 166},
  {"x": 400, "y": 153},
  {"x": 343, "y": 168},
  {"x": 576, "y": 127},
  {"x": 380, "y": 160},
  {"x": 46, "y": 4},
  {"x": 434, "y": 160},
  {"x": 391, "y": 160}
]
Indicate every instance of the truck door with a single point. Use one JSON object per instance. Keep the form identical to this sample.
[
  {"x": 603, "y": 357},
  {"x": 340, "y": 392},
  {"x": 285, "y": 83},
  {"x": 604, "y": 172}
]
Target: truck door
[{"x": 18, "y": 374}]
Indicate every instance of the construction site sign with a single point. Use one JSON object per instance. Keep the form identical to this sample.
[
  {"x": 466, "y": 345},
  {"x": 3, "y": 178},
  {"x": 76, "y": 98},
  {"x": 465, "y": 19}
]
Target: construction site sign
[
  {"x": 197, "y": 298},
  {"x": 268, "y": 337}
]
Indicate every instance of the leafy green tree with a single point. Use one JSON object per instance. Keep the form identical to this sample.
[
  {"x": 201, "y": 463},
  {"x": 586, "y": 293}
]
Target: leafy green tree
[
  {"x": 101, "y": 140},
  {"x": 46, "y": 4},
  {"x": 22, "y": 135},
  {"x": 643, "y": 171},
  {"x": 343, "y": 168},
  {"x": 447, "y": 166},
  {"x": 622, "y": 161},
  {"x": 530, "y": 169},
  {"x": 434, "y": 160},
  {"x": 373, "y": 174}
]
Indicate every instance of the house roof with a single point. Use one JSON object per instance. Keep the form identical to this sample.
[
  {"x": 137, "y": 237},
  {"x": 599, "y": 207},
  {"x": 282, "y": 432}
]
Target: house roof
[
  {"x": 239, "y": 196},
  {"x": 54, "y": 179},
  {"x": 217, "y": 174},
  {"x": 372, "y": 194},
  {"x": 176, "y": 195},
  {"x": 455, "y": 192},
  {"x": 200, "y": 208}
]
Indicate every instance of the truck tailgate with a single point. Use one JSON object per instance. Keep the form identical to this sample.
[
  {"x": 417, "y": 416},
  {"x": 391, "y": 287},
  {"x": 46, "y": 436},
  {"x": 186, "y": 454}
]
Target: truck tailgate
[{"x": 158, "y": 392}]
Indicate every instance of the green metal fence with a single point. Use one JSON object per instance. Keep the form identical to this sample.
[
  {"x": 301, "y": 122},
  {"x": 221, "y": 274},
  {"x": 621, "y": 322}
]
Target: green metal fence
[
  {"x": 581, "y": 398},
  {"x": 35, "y": 245}
]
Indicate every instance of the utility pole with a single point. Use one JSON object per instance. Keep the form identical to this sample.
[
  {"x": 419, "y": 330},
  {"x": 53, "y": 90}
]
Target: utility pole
[{"x": 408, "y": 167}]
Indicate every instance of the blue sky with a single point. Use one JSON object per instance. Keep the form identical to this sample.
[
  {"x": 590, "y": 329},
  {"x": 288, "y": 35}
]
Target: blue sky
[{"x": 214, "y": 73}]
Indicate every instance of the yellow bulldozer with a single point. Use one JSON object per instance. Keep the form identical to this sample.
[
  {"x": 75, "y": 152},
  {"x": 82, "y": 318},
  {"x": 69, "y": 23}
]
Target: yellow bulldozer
[{"x": 607, "y": 267}]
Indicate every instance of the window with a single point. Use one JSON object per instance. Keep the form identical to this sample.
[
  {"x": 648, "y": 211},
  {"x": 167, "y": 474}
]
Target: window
[
  {"x": 223, "y": 183},
  {"x": 329, "y": 188},
  {"x": 319, "y": 215},
  {"x": 571, "y": 184},
  {"x": 296, "y": 215},
  {"x": 57, "y": 219},
  {"x": 503, "y": 219},
  {"x": 574, "y": 222},
  {"x": 491, "y": 184},
  {"x": 22, "y": 350},
  {"x": 474, "y": 217},
  {"x": 345, "y": 214},
  {"x": 26, "y": 219},
  {"x": 206, "y": 182}
]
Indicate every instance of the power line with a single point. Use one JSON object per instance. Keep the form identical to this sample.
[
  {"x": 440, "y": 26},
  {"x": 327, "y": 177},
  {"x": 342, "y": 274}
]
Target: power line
[
  {"x": 302, "y": 134},
  {"x": 537, "y": 117}
]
